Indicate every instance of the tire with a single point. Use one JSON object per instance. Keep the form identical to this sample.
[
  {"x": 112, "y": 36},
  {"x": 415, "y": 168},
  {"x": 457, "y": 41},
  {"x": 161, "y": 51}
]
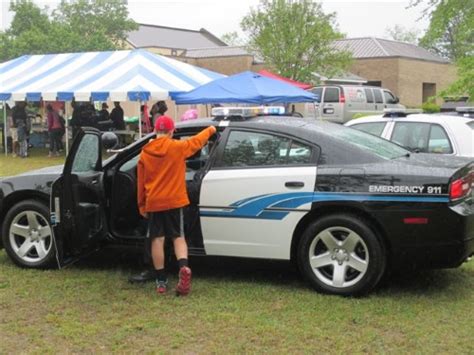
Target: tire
[
  {"x": 27, "y": 235},
  {"x": 341, "y": 255}
]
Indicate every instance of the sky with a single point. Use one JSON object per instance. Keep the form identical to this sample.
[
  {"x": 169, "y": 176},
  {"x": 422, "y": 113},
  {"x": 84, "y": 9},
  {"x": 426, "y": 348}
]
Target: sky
[{"x": 356, "y": 18}]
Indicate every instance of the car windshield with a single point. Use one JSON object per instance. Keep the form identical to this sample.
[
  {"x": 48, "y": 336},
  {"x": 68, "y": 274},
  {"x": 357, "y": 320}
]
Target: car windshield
[{"x": 379, "y": 146}]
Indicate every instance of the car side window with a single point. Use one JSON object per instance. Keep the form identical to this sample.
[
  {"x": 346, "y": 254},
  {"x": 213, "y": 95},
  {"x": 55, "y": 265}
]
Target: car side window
[
  {"x": 439, "y": 141},
  {"x": 389, "y": 98},
  {"x": 378, "y": 96},
  {"x": 331, "y": 95},
  {"x": 375, "y": 128},
  {"x": 318, "y": 94},
  {"x": 369, "y": 96},
  {"x": 413, "y": 135},
  {"x": 254, "y": 149},
  {"x": 87, "y": 155},
  {"x": 299, "y": 154}
]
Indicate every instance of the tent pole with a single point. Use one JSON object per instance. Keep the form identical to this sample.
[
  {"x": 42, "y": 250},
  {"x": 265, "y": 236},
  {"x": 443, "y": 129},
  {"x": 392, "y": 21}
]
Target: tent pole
[
  {"x": 176, "y": 112},
  {"x": 67, "y": 127},
  {"x": 139, "y": 119},
  {"x": 5, "y": 136}
]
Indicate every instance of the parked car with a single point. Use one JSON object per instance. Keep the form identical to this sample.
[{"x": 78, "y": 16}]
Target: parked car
[
  {"x": 339, "y": 103},
  {"x": 447, "y": 133},
  {"x": 345, "y": 205}
]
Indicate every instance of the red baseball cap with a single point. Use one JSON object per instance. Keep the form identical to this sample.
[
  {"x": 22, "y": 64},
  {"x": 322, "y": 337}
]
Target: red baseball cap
[{"x": 164, "y": 124}]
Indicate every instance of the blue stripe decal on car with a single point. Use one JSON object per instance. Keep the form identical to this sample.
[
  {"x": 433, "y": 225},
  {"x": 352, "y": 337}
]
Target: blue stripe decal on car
[{"x": 255, "y": 207}]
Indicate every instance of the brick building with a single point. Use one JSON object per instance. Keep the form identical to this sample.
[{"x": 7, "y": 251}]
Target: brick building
[{"x": 411, "y": 72}]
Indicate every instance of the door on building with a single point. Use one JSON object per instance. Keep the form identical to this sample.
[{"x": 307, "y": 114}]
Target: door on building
[{"x": 429, "y": 90}]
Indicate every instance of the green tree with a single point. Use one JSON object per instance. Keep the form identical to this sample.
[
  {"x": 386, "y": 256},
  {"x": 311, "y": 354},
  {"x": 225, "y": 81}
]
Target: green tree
[
  {"x": 451, "y": 29},
  {"x": 402, "y": 34},
  {"x": 451, "y": 34},
  {"x": 232, "y": 39},
  {"x": 74, "y": 26},
  {"x": 296, "y": 38}
]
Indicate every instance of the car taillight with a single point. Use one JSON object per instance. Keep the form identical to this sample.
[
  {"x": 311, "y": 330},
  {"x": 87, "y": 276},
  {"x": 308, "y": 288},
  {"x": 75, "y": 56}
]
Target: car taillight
[
  {"x": 461, "y": 188},
  {"x": 342, "y": 98}
]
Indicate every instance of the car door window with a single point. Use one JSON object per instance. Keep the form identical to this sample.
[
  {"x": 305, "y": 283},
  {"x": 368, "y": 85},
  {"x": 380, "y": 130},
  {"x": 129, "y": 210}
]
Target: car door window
[
  {"x": 369, "y": 96},
  {"x": 378, "y": 96},
  {"x": 439, "y": 141},
  {"x": 331, "y": 95},
  {"x": 375, "y": 128},
  {"x": 413, "y": 135},
  {"x": 246, "y": 149},
  {"x": 389, "y": 98},
  {"x": 87, "y": 155}
]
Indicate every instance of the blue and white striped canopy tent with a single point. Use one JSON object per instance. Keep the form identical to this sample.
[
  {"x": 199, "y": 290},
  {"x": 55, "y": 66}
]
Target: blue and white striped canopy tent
[{"x": 135, "y": 75}]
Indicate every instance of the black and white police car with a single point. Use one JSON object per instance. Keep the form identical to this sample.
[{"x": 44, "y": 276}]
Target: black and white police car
[{"x": 345, "y": 205}]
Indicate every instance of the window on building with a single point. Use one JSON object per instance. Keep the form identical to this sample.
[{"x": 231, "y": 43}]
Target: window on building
[{"x": 374, "y": 83}]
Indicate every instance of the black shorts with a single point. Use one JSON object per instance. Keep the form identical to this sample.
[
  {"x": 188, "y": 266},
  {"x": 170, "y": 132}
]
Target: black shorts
[{"x": 167, "y": 224}]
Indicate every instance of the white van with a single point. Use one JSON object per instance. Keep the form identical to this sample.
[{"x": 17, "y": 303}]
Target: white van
[{"x": 339, "y": 103}]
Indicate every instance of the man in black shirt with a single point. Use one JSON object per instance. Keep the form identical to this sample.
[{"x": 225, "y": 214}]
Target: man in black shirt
[
  {"x": 20, "y": 118},
  {"x": 117, "y": 116}
]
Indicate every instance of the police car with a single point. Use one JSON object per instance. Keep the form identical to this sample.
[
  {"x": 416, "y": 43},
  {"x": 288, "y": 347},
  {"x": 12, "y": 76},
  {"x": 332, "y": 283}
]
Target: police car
[
  {"x": 344, "y": 205},
  {"x": 445, "y": 133}
]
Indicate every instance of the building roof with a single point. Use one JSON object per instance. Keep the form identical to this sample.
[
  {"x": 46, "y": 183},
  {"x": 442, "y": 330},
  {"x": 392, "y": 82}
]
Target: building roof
[
  {"x": 370, "y": 47},
  {"x": 170, "y": 37},
  {"x": 215, "y": 52},
  {"x": 344, "y": 77}
]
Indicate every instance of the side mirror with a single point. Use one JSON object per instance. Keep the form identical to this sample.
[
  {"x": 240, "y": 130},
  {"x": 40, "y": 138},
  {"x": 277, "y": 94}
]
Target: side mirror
[
  {"x": 396, "y": 100},
  {"x": 109, "y": 140}
]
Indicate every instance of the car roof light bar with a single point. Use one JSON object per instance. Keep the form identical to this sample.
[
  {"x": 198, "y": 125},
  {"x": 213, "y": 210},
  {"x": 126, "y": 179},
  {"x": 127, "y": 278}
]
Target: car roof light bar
[
  {"x": 246, "y": 112},
  {"x": 465, "y": 109},
  {"x": 399, "y": 112}
]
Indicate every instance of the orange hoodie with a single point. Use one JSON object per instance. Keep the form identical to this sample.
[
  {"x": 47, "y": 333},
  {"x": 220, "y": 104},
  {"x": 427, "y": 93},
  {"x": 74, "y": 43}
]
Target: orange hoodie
[{"x": 162, "y": 169}]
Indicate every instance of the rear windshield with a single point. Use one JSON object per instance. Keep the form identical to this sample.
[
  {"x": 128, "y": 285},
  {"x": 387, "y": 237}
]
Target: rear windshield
[
  {"x": 471, "y": 124},
  {"x": 378, "y": 146}
]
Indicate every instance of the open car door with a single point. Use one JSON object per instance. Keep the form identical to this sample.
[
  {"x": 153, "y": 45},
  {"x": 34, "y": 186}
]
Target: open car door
[{"x": 78, "y": 199}]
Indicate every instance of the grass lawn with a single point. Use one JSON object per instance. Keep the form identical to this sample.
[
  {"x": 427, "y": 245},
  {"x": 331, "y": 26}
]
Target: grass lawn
[{"x": 236, "y": 306}]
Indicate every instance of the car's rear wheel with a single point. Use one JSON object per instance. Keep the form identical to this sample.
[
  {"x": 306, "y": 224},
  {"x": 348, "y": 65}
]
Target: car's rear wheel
[
  {"x": 340, "y": 254},
  {"x": 28, "y": 236}
]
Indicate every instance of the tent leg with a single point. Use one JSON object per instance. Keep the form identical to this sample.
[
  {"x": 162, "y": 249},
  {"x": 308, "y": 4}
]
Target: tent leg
[
  {"x": 5, "y": 135},
  {"x": 140, "y": 131},
  {"x": 176, "y": 112},
  {"x": 67, "y": 127}
]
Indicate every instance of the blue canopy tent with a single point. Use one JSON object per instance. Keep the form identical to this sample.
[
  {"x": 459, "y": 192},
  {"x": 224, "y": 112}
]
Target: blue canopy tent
[
  {"x": 245, "y": 87},
  {"x": 135, "y": 75}
]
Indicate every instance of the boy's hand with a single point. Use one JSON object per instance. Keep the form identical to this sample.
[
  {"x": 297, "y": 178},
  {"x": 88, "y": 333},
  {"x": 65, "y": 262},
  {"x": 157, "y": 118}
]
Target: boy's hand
[{"x": 214, "y": 129}]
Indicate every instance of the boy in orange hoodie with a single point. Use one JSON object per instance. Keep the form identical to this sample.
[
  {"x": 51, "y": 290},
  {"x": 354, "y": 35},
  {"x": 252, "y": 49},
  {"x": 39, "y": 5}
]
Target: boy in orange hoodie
[{"x": 162, "y": 195}]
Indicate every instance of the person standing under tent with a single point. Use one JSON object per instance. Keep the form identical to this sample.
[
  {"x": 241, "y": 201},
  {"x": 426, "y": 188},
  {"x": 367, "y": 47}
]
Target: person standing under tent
[
  {"x": 161, "y": 196},
  {"x": 54, "y": 130},
  {"x": 104, "y": 113},
  {"x": 157, "y": 110},
  {"x": 117, "y": 116},
  {"x": 20, "y": 119}
]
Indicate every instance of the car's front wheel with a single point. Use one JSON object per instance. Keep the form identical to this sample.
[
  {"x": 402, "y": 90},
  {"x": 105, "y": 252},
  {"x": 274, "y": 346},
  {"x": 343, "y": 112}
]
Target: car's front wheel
[
  {"x": 340, "y": 254},
  {"x": 28, "y": 236}
]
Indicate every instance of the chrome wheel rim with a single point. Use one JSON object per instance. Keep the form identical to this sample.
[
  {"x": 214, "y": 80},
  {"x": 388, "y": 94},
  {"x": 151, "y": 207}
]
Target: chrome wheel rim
[
  {"x": 338, "y": 257},
  {"x": 30, "y": 236}
]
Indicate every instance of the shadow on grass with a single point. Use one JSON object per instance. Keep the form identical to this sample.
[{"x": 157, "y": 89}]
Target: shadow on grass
[{"x": 277, "y": 273}]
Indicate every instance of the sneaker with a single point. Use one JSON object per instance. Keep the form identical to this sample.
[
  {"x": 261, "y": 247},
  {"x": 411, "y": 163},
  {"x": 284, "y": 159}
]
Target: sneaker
[
  {"x": 161, "y": 286},
  {"x": 184, "y": 284}
]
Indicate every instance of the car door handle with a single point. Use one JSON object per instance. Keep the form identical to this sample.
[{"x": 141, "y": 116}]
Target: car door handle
[
  {"x": 294, "y": 184},
  {"x": 94, "y": 182}
]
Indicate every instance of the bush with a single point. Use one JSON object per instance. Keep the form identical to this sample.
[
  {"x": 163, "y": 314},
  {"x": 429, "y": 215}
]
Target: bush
[
  {"x": 430, "y": 107},
  {"x": 362, "y": 114}
]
